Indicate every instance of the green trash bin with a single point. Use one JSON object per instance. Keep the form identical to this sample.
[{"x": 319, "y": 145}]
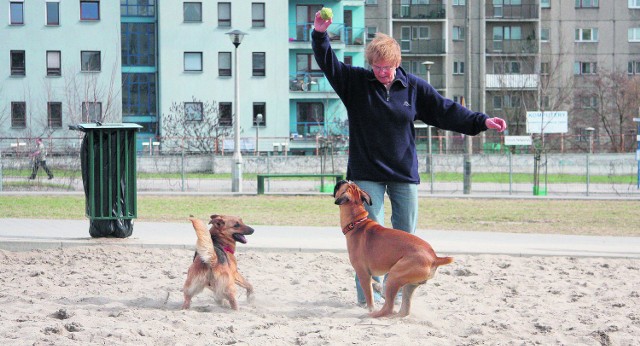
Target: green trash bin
[{"x": 108, "y": 160}]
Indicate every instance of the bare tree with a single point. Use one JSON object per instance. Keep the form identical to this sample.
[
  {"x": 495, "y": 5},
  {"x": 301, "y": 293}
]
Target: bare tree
[
  {"x": 194, "y": 126},
  {"x": 612, "y": 98}
]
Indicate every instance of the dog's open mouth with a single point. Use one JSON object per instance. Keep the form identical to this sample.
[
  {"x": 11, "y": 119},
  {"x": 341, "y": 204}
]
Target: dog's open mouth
[{"x": 240, "y": 237}]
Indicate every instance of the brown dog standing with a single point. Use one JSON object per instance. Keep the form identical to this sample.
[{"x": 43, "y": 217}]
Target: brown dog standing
[
  {"x": 376, "y": 250},
  {"x": 214, "y": 265}
]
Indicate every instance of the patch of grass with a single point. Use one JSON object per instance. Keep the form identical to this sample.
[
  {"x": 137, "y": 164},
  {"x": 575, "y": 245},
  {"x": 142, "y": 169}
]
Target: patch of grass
[{"x": 586, "y": 217}]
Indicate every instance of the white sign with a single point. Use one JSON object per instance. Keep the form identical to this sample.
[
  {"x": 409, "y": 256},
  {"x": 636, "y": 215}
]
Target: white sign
[
  {"x": 517, "y": 140},
  {"x": 547, "y": 122}
]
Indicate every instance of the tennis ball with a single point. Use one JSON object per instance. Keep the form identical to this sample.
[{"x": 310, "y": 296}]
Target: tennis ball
[{"x": 326, "y": 13}]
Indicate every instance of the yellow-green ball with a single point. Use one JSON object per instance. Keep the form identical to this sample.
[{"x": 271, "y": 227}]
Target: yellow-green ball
[{"x": 326, "y": 13}]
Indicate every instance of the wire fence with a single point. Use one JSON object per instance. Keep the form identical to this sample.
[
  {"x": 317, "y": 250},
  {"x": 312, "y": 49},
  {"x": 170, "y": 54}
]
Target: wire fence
[{"x": 496, "y": 173}]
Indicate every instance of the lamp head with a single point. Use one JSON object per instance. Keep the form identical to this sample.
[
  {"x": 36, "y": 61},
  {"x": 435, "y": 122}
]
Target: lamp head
[{"x": 236, "y": 37}]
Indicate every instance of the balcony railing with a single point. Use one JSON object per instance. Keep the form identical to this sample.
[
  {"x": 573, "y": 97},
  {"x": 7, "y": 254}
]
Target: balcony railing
[
  {"x": 406, "y": 11},
  {"x": 309, "y": 82},
  {"x": 528, "y": 46},
  {"x": 512, "y": 81},
  {"x": 524, "y": 11},
  {"x": 301, "y": 32},
  {"x": 423, "y": 46}
]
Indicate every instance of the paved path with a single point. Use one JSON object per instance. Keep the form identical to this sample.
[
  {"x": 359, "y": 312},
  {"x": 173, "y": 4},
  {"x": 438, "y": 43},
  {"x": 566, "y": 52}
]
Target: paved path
[{"x": 28, "y": 234}]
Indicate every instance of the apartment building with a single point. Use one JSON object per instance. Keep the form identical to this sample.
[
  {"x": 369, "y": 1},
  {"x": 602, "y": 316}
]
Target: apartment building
[
  {"x": 171, "y": 67},
  {"x": 513, "y": 56}
]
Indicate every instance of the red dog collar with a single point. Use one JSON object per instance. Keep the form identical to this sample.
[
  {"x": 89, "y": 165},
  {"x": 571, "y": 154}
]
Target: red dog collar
[
  {"x": 229, "y": 249},
  {"x": 352, "y": 225}
]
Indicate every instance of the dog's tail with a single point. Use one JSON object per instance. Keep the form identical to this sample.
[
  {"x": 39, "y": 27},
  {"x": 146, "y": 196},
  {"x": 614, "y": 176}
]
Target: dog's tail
[
  {"x": 440, "y": 261},
  {"x": 204, "y": 244}
]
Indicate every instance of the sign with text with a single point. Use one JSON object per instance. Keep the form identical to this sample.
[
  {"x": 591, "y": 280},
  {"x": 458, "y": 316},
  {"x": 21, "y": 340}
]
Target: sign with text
[
  {"x": 547, "y": 122},
  {"x": 517, "y": 140}
]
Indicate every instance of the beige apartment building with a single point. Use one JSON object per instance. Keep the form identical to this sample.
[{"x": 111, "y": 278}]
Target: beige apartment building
[{"x": 510, "y": 57}]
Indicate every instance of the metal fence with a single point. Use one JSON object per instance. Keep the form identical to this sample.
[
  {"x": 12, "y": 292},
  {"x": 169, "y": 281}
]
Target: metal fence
[{"x": 497, "y": 173}]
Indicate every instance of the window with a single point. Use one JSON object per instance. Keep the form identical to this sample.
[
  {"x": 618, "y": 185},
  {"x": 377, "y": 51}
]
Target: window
[
  {"x": 458, "y": 33},
  {"x": 139, "y": 94},
  {"x": 634, "y": 3},
  {"x": 137, "y": 8},
  {"x": 420, "y": 32},
  {"x": 192, "y": 61},
  {"x": 633, "y": 67},
  {"x": 259, "y": 108},
  {"x": 544, "y": 68},
  {"x": 54, "y": 115},
  {"x": 53, "y": 63},
  {"x": 138, "y": 44},
  {"x": 546, "y": 102},
  {"x": 224, "y": 64},
  {"x": 91, "y": 112},
  {"x": 310, "y": 118},
  {"x": 459, "y": 2},
  {"x": 584, "y": 68},
  {"x": 306, "y": 63},
  {"x": 18, "y": 114},
  {"x": 348, "y": 60},
  {"x": 371, "y": 2},
  {"x": 506, "y": 101},
  {"x": 634, "y": 34},
  {"x": 192, "y": 11},
  {"x": 53, "y": 12},
  {"x": 544, "y": 34},
  {"x": 193, "y": 111},
  {"x": 18, "y": 63},
  {"x": 371, "y": 32},
  {"x": 224, "y": 14},
  {"x": 586, "y": 35},
  {"x": 259, "y": 64},
  {"x": 545, "y": 3},
  {"x": 405, "y": 39},
  {"x": 586, "y": 3},
  {"x": 16, "y": 9},
  {"x": 587, "y": 102},
  {"x": 89, "y": 10},
  {"x": 225, "y": 114},
  {"x": 257, "y": 14},
  {"x": 506, "y": 67},
  {"x": 458, "y": 67},
  {"x": 90, "y": 61}
]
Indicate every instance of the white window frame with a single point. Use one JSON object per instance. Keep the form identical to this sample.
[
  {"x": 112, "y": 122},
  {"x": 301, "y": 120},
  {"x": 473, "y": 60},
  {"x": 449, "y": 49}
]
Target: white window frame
[
  {"x": 634, "y": 3},
  {"x": 189, "y": 5},
  {"x": 89, "y": 110},
  {"x": 458, "y": 33},
  {"x": 193, "y": 111},
  {"x": 459, "y": 2},
  {"x": 589, "y": 4},
  {"x": 633, "y": 67},
  {"x": 193, "y": 62},
  {"x": 417, "y": 32},
  {"x": 545, "y": 3},
  {"x": 258, "y": 15},
  {"x": 54, "y": 63},
  {"x": 634, "y": 35},
  {"x": 581, "y": 33},
  {"x": 580, "y": 66},
  {"x": 458, "y": 67},
  {"x": 545, "y": 37}
]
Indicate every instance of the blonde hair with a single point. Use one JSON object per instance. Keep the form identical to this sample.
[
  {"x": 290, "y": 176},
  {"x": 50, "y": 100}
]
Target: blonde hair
[{"x": 383, "y": 48}]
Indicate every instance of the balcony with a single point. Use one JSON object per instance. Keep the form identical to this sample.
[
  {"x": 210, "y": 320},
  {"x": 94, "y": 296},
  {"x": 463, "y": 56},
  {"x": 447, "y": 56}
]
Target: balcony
[
  {"x": 423, "y": 46},
  {"x": 528, "y": 46},
  {"x": 512, "y": 81},
  {"x": 431, "y": 11},
  {"x": 301, "y": 32},
  {"x": 309, "y": 82},
  {"x": 524, "y": 11}
]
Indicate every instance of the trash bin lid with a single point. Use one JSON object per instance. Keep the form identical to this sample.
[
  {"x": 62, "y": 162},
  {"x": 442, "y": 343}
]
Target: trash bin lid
[{"x": 107, "y": 126}]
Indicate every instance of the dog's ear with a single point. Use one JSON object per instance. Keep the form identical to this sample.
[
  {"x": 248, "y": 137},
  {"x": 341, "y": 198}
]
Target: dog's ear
[
  {"x": 341, "y": 200},
  {"x": 216, "y": 221},
  {"x": 365, "y": 197}
]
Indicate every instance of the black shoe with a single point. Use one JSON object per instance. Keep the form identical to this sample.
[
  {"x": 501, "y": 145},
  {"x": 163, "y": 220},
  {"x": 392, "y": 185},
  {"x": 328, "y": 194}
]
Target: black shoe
[
  {"x": 31, "y": 178},
  {"x": 50, "y": 177}
]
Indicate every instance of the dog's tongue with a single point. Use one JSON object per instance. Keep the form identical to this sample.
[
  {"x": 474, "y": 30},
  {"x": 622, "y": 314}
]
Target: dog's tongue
[{"x": 239, "y": 237}]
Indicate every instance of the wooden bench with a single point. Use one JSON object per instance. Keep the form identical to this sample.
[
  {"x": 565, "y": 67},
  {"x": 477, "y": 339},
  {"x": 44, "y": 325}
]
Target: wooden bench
[{"x": 261, "y": 177}]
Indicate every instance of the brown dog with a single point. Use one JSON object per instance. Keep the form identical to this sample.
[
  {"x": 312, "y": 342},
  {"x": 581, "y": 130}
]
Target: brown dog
[
  {"x": 214, "y": 264},
  {"x": 376, "y": 250}
]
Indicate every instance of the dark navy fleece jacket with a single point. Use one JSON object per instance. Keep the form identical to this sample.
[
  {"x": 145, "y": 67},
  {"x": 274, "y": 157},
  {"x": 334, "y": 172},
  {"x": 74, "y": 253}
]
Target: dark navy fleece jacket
[{"x": 381, "y": 132}]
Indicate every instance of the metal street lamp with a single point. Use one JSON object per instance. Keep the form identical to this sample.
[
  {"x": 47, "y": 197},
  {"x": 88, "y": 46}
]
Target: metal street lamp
[
  {"x": 427, "y": 65},
  {"x": 590, "y": 132},
  {"x": 258, "y": 122},
  {"x": 236, "y": 37}
]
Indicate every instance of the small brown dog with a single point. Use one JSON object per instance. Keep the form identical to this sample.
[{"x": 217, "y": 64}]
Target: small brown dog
[
  {"x": 214, "y": 264},
  {"x": 376, "y": 250}
]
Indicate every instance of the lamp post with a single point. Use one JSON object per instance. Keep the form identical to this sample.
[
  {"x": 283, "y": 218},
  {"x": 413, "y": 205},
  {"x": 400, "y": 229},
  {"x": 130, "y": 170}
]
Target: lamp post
[
  {"x": 258, "y": 122},
  {"x": 236, "y": 37},
  {"x": 427, "y": 65},
  {"x": 589, "y": 130}
]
